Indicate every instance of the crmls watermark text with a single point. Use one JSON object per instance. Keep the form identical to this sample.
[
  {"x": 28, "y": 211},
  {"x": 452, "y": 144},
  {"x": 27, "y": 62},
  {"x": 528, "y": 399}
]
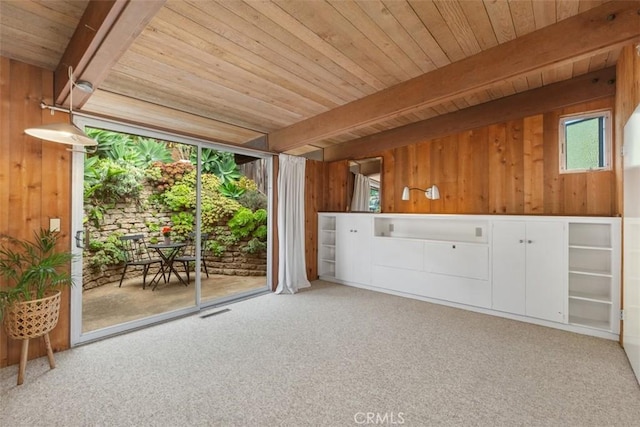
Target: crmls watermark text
[{"x": 379, "y": 418}]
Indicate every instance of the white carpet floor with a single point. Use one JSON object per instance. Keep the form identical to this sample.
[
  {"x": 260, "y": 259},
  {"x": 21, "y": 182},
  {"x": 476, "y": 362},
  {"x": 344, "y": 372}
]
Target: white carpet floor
[{"x": 330, "y": 356}]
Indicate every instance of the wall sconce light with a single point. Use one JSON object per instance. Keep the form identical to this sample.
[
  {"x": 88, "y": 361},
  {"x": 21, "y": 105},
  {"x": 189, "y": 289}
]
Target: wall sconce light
[
  {"x": 65, "y": 133},
  {"x": 430, "y": 193}
]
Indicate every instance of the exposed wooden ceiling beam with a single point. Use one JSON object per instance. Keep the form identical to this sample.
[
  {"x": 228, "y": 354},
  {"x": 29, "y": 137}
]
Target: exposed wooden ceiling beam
[
  {"x": 611, "y": 25},
  {"x": 587, "y": 87},
  {"x": 134, "y": 111},
  {"x": 105, "y": 32}
]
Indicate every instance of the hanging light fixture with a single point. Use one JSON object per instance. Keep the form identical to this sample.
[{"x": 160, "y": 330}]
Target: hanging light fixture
[{"x": 65, "y": 133}]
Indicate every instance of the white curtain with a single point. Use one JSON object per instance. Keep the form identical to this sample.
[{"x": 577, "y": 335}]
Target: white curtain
[
  {"x": 292, "y": 270},
  {"x": 361, "y": 194}
]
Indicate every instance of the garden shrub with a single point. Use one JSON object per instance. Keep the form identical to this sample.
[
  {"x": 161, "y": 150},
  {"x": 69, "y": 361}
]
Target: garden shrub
[
  {"x": 253, "y": 199},
  {"x": 137, "y": 150},
  {"x": 107, "y": 181},
  {"x": 183, "y": 223},
  {"x": 106, "y": 253},
  {"x": 164, "y": 175},
  {"x": 179, "y": 197},
  {"x": 245, "y": 224}
]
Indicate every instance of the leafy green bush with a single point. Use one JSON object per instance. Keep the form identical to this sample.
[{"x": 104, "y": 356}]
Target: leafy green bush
[
  {"x": 107, "y": 181},
  {"x": 180, "y": 197},
  {"x": 255, "y": 246},
  {"x": 105, "y": 253},
  {"x": 134, "y": 149},
  {"x": 224, "y": 237},
  {"x": 215, "y": 207},
  {"x": 253, "y": 199},
  {"x": 216, "y": 248},
  {"x": 163, "y": 175},
  {"x": 245, "y": 224},
  {"x": 183, "y": 223},
  {"x": 247, "y": 184},
  {"x": 242, "y": 223}
]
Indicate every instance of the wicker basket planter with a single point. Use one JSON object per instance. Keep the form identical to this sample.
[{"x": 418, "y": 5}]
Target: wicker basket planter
[
  {"x": 32, "y": 269},
  {"x": 32, "y": 319},
  {"x": 24, "y": 320}
]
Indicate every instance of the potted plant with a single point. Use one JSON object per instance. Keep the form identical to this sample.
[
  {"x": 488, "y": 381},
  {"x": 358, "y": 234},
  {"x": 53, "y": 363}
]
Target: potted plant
[{"x": 33, "y": 273}]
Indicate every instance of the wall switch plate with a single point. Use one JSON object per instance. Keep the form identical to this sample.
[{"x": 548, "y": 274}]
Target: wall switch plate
[{"x": 54, "y": 224}]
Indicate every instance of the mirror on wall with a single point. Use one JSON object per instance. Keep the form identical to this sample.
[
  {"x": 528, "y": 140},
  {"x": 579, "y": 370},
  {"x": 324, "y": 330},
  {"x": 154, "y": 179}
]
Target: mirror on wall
[{"x": 365, "y": 184}]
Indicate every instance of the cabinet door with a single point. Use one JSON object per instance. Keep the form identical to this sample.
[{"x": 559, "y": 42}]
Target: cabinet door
[
  {"x": 509, "y": 266},
  {"x": 353, "y": 248},
  {"x": 457, "y": 259},
  {"x": 546, "y": 271}
]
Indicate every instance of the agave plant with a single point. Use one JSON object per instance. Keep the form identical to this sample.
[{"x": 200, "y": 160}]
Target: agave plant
[
  {"x": 31, "y": 268},
  {"x": 220, "y": 163}
]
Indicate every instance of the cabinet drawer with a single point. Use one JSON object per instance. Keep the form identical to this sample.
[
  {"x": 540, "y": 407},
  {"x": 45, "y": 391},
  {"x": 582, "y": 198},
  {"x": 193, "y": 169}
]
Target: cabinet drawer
[
  {"x": 457, "y": 259},
  {"x": 397, "y": 253},
  {"x": 401, "y": 280}
]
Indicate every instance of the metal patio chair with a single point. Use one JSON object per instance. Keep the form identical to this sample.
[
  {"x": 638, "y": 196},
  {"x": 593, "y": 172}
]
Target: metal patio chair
[
  {"x": 137, "y": 254},
  {"x": 189, "y": 253}
]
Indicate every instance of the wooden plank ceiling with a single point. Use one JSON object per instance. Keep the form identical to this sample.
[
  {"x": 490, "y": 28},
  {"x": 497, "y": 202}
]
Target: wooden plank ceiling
[{"x": 235, "y": 70}]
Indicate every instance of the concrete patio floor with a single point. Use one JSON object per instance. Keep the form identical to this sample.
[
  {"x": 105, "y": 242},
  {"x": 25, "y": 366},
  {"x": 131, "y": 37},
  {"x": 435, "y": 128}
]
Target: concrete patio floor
[{"x": 110, "y": 305}]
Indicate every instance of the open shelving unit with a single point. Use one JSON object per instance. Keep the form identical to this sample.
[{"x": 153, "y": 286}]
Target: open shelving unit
[
  {"x": 593, "y": 275},
  {"x": 327, "y": 246},
  {"x": 442, "y": 229}
]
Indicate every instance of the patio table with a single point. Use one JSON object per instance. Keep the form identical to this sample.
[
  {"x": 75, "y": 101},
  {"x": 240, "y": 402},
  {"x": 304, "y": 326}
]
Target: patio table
[{"x": 168, "y": 253}]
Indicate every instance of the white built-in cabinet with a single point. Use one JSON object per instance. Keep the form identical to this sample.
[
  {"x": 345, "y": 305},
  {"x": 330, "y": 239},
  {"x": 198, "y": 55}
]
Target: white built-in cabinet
[
  {"x": 562, "y": 272},
  {"x": 353, "y": 250},
  {"x": 529, "y": 272},
  {"x": 446, "y": 260}
]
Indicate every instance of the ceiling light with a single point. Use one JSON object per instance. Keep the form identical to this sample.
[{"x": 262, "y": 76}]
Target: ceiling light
[
  {"x": 65, "y": 133},
  {"x": 84, "y": 86}
]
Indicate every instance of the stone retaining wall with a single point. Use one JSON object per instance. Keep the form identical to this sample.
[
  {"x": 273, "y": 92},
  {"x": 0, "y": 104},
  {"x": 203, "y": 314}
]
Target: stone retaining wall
[{"x": 131, "y": 219}]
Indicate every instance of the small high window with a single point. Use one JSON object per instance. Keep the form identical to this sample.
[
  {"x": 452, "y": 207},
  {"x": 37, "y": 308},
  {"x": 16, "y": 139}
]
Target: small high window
[{"x": 585, "y": 141}]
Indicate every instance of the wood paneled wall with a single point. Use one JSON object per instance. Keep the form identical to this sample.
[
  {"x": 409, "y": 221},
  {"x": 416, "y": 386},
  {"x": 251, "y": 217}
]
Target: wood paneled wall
[
  {"x": 35, "y": 179},
  {"x": 508, "y": 168},
  {"x": 326, "y": 190}
]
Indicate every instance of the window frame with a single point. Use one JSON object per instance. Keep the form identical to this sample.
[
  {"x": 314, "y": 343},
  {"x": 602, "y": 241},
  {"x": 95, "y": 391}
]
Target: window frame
[{"x": 607, "y": 142}]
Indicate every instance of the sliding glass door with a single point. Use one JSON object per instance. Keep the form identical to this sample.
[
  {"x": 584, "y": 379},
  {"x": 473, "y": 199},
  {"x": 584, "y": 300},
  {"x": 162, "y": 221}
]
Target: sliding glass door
[{"x": 164, "y": 226}]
